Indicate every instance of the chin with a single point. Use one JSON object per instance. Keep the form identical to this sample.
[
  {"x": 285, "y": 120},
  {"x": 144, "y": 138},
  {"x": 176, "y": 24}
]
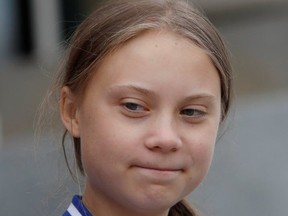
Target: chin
[{"x": 156, "y": 203}]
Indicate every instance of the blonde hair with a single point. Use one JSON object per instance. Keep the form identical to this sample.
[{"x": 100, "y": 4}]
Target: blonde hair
[{"x": 115, "y": 23}]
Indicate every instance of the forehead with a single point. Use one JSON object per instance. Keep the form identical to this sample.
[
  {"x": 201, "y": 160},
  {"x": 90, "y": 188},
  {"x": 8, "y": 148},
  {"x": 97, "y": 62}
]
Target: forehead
[
  {"x": 156, "y": 57},
  {"x": 159, "y": 39},
  {"x": 151, "y": 43}
]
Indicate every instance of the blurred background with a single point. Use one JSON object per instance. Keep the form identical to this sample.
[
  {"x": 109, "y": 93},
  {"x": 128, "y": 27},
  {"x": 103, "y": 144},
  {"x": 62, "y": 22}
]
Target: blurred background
[{"x": 249, "y": 174}]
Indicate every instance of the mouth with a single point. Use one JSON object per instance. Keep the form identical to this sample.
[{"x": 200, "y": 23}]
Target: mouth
[
  {"x": 160, "y": 169},
  {"x": 163, "y": 174}
]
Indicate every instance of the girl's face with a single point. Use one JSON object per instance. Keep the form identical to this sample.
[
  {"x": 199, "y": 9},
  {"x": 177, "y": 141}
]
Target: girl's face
[{"x": 148, "y": 121}]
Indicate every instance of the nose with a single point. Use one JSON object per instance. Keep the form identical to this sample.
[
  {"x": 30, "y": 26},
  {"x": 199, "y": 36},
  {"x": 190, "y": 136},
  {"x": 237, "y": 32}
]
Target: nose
[{"x": 163, "y": 137}]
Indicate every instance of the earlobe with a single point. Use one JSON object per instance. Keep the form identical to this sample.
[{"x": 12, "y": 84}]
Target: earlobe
[{"x": 68, "y": 111}]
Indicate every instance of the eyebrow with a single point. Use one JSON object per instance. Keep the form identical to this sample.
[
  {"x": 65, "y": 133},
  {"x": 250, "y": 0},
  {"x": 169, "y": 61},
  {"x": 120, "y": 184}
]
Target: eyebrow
[
  {"x": 147, "y": 92},
  {"x": 205, "y": 96},
  {"x": 134, "y": 88}
]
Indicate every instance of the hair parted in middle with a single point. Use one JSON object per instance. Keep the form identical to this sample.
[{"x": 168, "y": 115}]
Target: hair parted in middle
[{"x": 116, "y": 22}]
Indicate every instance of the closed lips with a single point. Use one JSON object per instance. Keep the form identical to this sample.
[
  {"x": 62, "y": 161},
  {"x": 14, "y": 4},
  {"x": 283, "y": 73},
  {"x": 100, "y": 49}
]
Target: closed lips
[{"x": 160, "y": 168}]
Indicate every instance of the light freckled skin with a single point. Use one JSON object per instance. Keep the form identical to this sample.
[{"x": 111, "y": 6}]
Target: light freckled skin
[{"x": 142, "y": 151}]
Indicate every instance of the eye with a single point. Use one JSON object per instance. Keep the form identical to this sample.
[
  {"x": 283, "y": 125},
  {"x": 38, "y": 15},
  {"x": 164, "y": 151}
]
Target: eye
[
  {"x": 134, "y": 107},
  {"x": 190, "y": 112}
]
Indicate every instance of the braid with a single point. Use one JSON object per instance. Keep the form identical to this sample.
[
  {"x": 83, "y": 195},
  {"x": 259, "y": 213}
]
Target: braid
[{"x": 182, "y": 208}]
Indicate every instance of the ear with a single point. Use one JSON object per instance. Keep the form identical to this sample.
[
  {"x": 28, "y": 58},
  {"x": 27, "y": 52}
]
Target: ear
[{"x": 68, "y": 111}]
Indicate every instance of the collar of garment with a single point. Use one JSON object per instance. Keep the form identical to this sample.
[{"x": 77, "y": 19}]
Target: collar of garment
[{"x": 77, "y": 208}]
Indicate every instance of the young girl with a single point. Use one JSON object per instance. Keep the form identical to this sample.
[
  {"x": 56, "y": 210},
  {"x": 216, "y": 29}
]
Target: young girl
[{"x": 145, "y": 87}]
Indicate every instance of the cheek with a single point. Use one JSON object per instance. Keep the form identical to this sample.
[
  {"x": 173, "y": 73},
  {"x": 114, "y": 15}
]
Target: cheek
[
  {"x": 99, "y": 156},
  {"x": 203, "y": 154},
  {"x": 104, "y": 141},
  {"x": 202, "y": 158},
  {"x": 201, "y": 147},
  {"x": 92, "y": 138}
]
